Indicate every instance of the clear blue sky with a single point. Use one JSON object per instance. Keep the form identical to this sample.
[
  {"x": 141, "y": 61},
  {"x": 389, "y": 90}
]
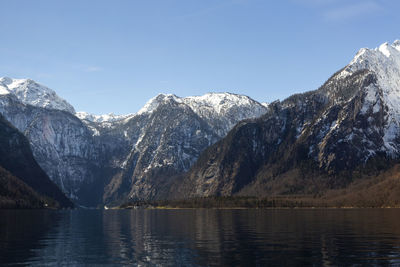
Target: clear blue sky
[{"x": 112, "y": 56}]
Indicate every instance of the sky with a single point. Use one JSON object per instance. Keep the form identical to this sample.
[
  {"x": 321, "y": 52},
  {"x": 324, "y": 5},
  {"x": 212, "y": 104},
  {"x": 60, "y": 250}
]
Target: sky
[{"x": 113, "y": 56}]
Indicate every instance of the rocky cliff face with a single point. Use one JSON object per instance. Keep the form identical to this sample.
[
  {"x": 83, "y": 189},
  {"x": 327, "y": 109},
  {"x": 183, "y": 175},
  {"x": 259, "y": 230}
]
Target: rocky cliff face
[
  {"x": 62, "y": 145},
  {"x": 23, "y": 182},
  {"x": 106, "y": 158},
  {"x": 313, "y": 141}
]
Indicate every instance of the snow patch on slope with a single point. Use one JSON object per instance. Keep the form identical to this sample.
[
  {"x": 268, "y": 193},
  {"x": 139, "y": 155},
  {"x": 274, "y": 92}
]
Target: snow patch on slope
[
  {"x": 218, "y": 102},
  {"x": 4, "y": 90},
  {"x": 102, "y": 118},
  {"x": 371, "y": 100},
  {"x": 265, "y": 104}
]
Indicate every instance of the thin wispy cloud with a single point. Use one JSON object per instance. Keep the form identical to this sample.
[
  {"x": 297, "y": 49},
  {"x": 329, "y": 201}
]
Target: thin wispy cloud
[
  {"x": 44, "y": 75},
  {"x": 343, "y": 10},
  {"x": 93, "y": 69},
  {"x": 19, "y": 71},
  {"x": 352, "y": 11},
  {"x": 211, "y": 9},
  {"x": 86, "y": 68},
  {"x": 317, "y": 3}
]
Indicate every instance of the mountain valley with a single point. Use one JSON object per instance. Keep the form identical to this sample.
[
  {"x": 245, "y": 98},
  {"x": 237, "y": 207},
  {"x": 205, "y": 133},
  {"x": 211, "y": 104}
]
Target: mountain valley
[
  {"x": 218, "y": 144},
  {"x": 105, "y": 159}
]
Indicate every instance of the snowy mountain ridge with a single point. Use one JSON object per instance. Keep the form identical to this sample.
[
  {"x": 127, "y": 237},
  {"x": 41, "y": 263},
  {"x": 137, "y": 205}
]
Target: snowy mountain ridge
[
  {"x": 384, "y": 62},
  {"x": 118, "y": 154},
  {"x": 206, "y": 106},
  {"x": 33, "y": 93},
  {"x": 221, "y": 110},
  {"x": 111, "y": 117},
  {"x": 218, "y": 102}
]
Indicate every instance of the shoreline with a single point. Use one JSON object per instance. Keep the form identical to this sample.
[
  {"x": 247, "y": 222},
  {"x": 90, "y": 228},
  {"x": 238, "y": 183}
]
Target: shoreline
[{"x": 251, "y": 208}]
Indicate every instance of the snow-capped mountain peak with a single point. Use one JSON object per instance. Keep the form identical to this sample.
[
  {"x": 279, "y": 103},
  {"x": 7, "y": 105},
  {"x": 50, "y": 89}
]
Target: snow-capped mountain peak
[
  {"x": 384, "y": 63},
  {"x": 373, "y": 58},
  {"x": 218, "y": 102},
  {"x": 154, "y": 102},
  {"x": 33, "y": 93},
  {"x": 388, "y": 49}
]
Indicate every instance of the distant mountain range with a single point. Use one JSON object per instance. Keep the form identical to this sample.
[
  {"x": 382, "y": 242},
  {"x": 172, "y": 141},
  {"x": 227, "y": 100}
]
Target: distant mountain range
[
  {"x": 219, "y": 143},
  {"x": 108, "y": 158}
]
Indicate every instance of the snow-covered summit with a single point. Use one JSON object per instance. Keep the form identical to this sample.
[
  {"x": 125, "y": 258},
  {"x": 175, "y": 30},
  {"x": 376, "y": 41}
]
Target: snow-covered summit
[
  {"x": 211, "y": 106},
  {"x": 33, "y": 93},
  {"x": 216, "y": 102},
  {"x": 154, "y": 102},
  {"x": 221, "y": 110},
  {"x": 384, "y": 62},
  {"x": 384, "y": 56},
  {"x": 101, "y": 118}
]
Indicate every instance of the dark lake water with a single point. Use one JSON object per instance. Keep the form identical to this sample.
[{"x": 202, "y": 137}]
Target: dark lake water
[{"x": 200, "y": 237}]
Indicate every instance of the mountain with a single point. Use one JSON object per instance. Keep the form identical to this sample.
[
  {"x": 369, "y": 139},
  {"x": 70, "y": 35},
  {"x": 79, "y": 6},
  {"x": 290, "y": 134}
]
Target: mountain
[
  {"x": 165, "y": 138},
  {"x": 61, "y": 144},
  {"x": 22, "y": 182},
  {"x": 32, "y": 93},
  {"x": 313, "y": 142},
  {"x": 98, "y": 159},
  {"x": 219, "y": 143}
]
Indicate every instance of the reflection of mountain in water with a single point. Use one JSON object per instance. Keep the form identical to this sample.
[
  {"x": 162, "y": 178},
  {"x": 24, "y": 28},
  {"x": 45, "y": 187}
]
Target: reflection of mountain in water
[
  {"x": 146, "y": 236},
  {"x": 22, "y": 233},
  {"x": 254, "y": 237},
  {"x": 201, "y": 237}
]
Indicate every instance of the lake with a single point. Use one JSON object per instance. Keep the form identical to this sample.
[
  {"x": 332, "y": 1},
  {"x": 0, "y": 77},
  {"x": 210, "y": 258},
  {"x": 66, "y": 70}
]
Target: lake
[{"x": 200, "y": 237}]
